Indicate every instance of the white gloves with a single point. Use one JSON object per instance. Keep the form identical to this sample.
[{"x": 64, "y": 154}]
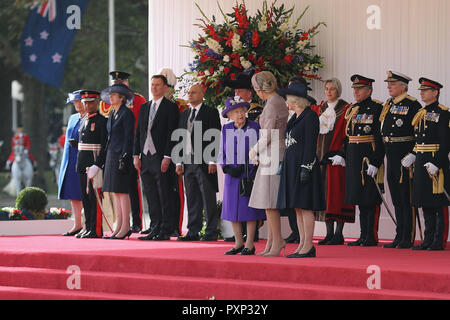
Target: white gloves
[
  {"x": 408, "y": 160},
  {"x": 431, "y": 168},
  {"x": 92, "y": 171},
  {"x": 372, "y": 171},
  {"x": 338, "y": 161}
]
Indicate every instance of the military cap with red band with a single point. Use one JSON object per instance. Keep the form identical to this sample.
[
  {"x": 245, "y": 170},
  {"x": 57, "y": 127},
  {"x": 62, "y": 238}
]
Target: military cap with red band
[
  {"x": 361, "y": 81},
  {"x": 90, "y": 95},
  {"x": 427, "y": 84}
]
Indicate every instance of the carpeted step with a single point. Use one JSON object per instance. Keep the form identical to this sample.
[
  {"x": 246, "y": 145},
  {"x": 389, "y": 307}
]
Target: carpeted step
[{"x": 195, "y": 288}]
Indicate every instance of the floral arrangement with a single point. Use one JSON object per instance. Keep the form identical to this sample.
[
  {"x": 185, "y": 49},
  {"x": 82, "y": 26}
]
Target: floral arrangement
[
  {"x": 10, "y": 213},
  {"x": 271, "y": 40}
]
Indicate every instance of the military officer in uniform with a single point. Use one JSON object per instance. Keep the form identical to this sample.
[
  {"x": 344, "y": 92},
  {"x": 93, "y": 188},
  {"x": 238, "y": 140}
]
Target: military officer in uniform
[
  {"x": 398, "y": 137},
  {"x": 135, "y": 192},
  {"x": 430, "y": 159},
  {"x": 91, "y": 158},
  {"x": 364, "y": 154}
]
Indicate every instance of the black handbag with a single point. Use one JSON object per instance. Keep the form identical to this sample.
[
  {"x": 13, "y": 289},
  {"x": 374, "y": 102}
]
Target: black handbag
[
  {"x": 124, "y": 164},
  {"x": 245, "y": 184}
]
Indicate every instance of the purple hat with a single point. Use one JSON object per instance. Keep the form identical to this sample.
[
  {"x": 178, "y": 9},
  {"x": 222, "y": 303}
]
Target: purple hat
[
  {"x": 234, "y": 103},
  {"x": 118, "y": 88}
]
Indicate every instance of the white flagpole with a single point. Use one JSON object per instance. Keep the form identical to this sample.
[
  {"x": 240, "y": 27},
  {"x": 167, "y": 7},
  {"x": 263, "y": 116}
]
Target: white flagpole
[{"x": 112, "y": 40}]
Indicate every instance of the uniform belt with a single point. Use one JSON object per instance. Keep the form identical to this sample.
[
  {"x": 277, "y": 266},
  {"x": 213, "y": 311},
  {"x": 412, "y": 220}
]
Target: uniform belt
[
  {"x": 398, "y": 139},
  {"x": 89, "y": 147},
  {"x": 361, "y": 139},
  {"x": 426, "y": 148}
]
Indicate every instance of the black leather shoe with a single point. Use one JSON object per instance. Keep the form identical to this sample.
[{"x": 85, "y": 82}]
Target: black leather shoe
[
  {"x": 369, "y": 243},
  {"x": 337, "y": 240},
  {"x": 189, "y": 237},
  {"x": 404, "y": 245},
  {"x": 208, "y": 238},
  {"x": 248, "y": 252},
  {"x": 135, "y": 229},
  {"x": 325, "y": 241},
  {"x": 234, "y": 251},
  {"x": 71, "y": 234},
  {"x": 90, "y": 235},
  {"x": 391, "y": 245},
  {"x": 310, "y": 254},
  {"x": 81, "y": 233},
  {"x": 356, "y": 243},
  {"x": 293, "y": 238},
  {"x": 230, "y": 239},
  {"x": 161, "y": 237},
  {"x": 146, "y": 231},
  {"x": 435, "y": 247},
  {"x": 423, "y": 246},
  {"x": 148, "y": 237}
]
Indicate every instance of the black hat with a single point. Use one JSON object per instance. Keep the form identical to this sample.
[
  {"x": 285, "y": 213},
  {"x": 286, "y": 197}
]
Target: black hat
[
  {"x": 118, "y": 88},
  {"x": 298, "y": 89},
  {"x": 397, "y": 76},
  {"x": 89, "y": 95},
  {"x": 243, "y": 81},
  {"x": 361, "y": 81},
  {"x": 120, "y": 75},
  {"x": 427, "y": 84}
]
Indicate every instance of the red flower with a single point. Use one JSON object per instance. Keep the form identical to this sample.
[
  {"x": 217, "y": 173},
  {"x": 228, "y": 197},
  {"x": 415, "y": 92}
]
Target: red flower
[
  {"x": 230, "y": 39},
  {"x": 251, "y": 57},
  {"x": 277, "y": 62},
  {"x": 233, "y": 76},
  {"x": 304, "y": 36},
  {"x": 288, "y": 59},
  {"x": 226, "y": 70},
  {"x": 255, "y": 39},
  {"x": 211, "y": 70}
]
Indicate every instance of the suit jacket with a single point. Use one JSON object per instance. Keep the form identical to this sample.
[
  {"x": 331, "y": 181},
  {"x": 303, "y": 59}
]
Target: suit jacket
[
  {"x": 121, "y": 131},
  {"x": 209, "y": 119},
  {"x": 165, "y": 122}
]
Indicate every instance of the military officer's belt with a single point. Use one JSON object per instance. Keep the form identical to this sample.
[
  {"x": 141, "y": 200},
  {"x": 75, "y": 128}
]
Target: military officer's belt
[
  {"x": 361, "y": 139},
  {"x": 398, "y": 139},
  {"x": 89, "y": 147},
  {"x": 426, "y": 148}
]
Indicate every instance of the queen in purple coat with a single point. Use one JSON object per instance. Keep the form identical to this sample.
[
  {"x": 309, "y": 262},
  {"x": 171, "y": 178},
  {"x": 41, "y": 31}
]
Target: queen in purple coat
[{"x": 238, "y": 137}]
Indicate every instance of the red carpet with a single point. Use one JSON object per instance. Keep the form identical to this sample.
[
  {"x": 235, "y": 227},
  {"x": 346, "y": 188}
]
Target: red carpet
[{"x": 35, "y": 268}]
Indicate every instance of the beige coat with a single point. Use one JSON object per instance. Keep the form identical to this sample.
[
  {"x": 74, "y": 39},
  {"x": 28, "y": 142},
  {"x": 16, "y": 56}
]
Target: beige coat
[{"x": 270, "y": 149}]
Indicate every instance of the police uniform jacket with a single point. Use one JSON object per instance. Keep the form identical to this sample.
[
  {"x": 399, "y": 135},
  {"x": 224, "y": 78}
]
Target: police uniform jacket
[{"x": 92, "y": 142}]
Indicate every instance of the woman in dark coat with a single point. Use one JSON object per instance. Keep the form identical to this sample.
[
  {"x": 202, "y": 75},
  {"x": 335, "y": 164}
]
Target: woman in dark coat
[
  {"x": 301, "y": 185},
  {"x": 238, "y": 137},
  {"x": 119, "y": 155}
]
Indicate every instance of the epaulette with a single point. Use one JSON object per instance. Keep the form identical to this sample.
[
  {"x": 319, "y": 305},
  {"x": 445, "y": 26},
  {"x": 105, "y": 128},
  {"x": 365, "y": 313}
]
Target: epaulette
[
  {"x": 377, "y": 101},
  {"x": 411, "y": 98},
  {"x": 443, "y": 107}
]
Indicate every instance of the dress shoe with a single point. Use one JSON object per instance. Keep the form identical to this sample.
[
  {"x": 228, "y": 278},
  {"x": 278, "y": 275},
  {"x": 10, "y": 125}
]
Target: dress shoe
[
  {"x": 90, "y": 235},
  {"x": 310, "y": 254},
  {"x": 391, "y": 245},
  {"x": 423, "y": 246},
  {"x": 189, "y": 237},
  {"x": 146, "y": 231},
  {"x": 175, "y": 233},
  {"x": 337, "y": 240},
  {"x": 293, "y": 238},
  {"x": 248, "y": 252},
  {"x": 135, "y": 229},
  {"x": 404, "y": 245},
  {"x": 71, "y": 234},
  {"x": 80, "y": 234},
  {"x": 127, "y": 235},
  {"x": 325, "y": 241},
  {"x": 230, "y": 239},
  {"x": 234, "y": 251},
  {"x": 161, "y": 237},
  {"x": 209, "y": 238},
  {"x": 369, "y": 243},
  {"x": 435, "y": 247},
  {"x": 356, "y": 243},
  {"x": 148, "y": 237}
]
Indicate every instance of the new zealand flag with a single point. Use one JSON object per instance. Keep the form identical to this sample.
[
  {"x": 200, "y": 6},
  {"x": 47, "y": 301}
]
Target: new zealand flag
[{"x": 47, "y": 38}]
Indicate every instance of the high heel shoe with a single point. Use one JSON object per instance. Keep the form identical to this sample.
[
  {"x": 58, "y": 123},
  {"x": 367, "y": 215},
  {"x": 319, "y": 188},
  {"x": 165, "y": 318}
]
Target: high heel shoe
[
  {"x": 71, "y": 234},
  {"x": 269, "y": 254},
  {"x": 127, "y": 235}
]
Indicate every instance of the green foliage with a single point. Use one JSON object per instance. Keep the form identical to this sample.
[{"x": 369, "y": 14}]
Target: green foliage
[{"x": 32, "y": 199}]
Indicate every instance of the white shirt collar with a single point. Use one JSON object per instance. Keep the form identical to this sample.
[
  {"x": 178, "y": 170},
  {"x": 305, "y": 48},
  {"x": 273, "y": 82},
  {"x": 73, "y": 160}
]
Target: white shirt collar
[{"x": 197, "y": 108}]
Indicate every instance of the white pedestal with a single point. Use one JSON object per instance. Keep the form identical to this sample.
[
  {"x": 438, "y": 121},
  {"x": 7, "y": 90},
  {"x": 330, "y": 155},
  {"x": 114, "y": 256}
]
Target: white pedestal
[{"x": 34, "y": 227}]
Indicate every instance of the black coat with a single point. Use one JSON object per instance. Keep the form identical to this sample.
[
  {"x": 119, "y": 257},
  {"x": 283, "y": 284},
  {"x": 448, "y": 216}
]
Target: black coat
[
  {"x": 365, "y": 122},
  {"x": 208, "y": 118},
  {"x": 92, "y": 131},
  {"x": 121, "y": 131},
  {"x": 164, "y": 123},
  {"x": 432, "y": 129},
  {"x": 396, "y": 121},
  {"x": 301, "y": 144}
]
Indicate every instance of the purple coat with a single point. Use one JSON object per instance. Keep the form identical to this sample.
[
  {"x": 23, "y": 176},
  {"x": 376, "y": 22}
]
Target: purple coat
[{"x": 234, "y": 149}]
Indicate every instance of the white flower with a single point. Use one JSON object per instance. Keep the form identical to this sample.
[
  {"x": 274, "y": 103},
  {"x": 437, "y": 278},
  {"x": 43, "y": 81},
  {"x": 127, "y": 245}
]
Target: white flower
[
  {"x": 226, "y": 58},
  {"x": 236, "y": 42},
  {"x": 289, "y": 50},
  {"x": 284, "y": 27},
  {"x": 214, "y": 45},
  {"x": 302, "y": 44},
  {"x": 246, "y": 64},
  {"x": 221, "y": 68},
  {"x": 238, "y": 99},
  {"x": 262, "y": 26},
  {"x": 207, "y": 73}
]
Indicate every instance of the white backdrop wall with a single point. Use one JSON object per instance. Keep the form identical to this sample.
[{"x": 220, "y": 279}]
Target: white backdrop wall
[{"x": 414, "y": 38}]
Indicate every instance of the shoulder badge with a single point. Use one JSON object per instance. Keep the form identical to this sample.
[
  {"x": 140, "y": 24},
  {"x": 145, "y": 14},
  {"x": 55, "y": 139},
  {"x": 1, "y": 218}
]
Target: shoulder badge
[
  {"x": 443, "y": 107},
  {"x": 377, "y": 101},
  {"x": 411, "y": 98}
]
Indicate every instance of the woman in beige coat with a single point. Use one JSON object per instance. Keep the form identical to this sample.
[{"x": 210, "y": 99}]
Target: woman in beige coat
[{"x": 268, "y": 152}]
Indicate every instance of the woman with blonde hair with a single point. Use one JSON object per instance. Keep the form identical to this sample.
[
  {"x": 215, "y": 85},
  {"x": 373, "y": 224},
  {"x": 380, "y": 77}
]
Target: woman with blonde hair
[{"x": 268, "y": 152}]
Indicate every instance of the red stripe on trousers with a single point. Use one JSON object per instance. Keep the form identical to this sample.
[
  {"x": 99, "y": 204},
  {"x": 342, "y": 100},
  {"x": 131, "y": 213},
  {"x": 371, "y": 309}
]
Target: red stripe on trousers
[
  {"x": 445, "y": 234},
  {"x": 376, "y": 222},
  {"x": 98, "y": 230}
]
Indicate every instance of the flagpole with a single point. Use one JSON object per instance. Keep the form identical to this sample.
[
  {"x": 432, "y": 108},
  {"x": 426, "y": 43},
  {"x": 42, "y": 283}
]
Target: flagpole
[{"x": 112, "y": 40}]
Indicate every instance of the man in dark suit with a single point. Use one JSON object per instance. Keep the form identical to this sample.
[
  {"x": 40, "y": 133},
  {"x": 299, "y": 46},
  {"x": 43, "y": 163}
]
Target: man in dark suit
[
  {"x": 200, "y": 173},
  {"x": 152, "y": 157}
]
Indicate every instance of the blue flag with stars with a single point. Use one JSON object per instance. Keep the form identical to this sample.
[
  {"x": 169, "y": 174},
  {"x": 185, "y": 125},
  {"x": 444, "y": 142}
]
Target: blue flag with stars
[{"x": 47, "y": 38}]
